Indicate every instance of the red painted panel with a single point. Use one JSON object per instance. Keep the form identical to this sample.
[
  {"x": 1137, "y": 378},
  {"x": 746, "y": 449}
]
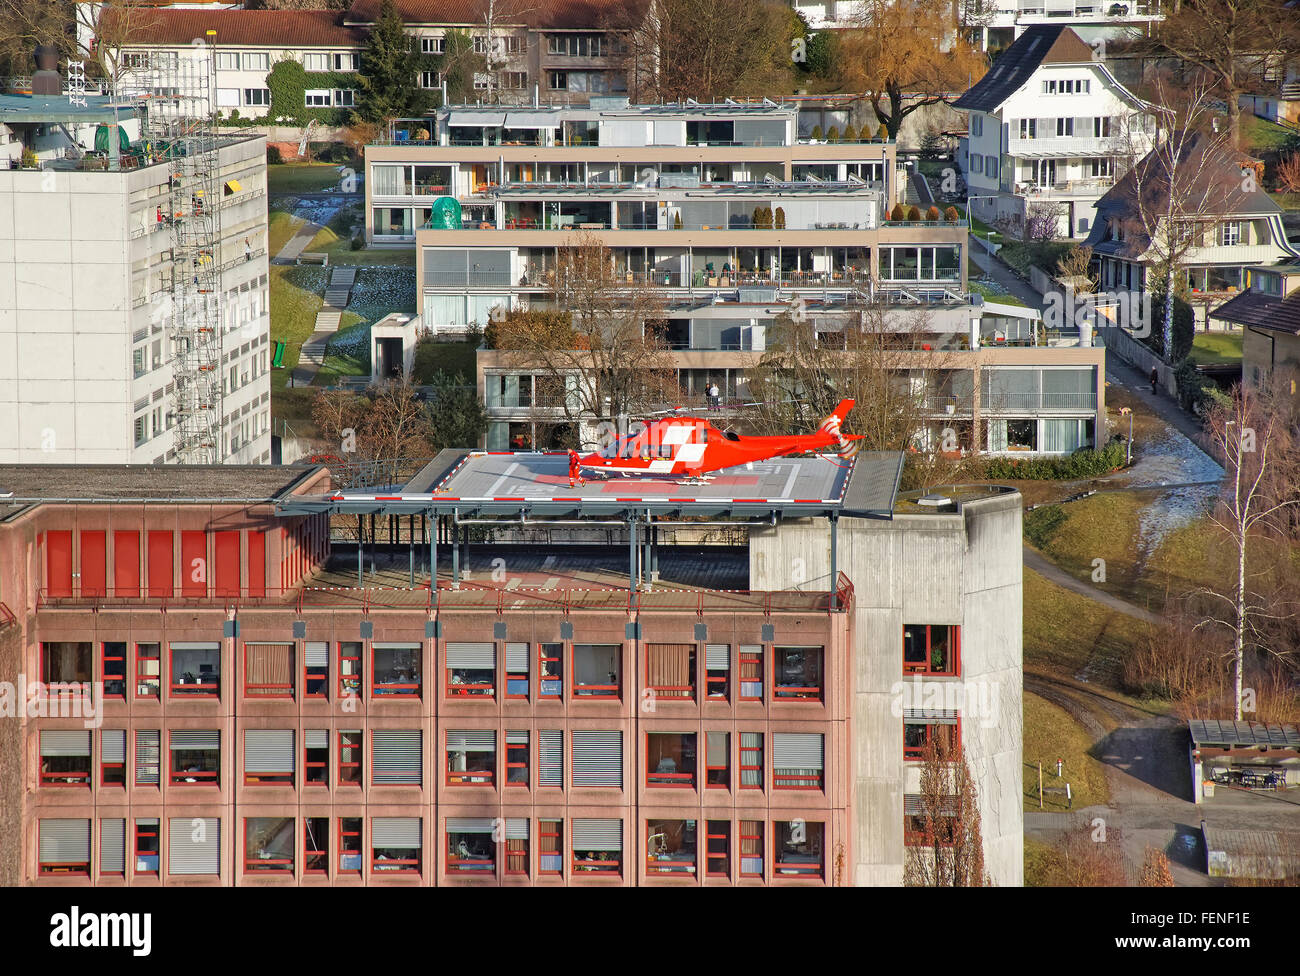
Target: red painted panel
[
  {"x": 194, "y": 564},
  {"x": 227, "y": 554},
  {"x": 58, "y": 563},
  {"x": 256, "y": 563},
  {"x": 94, "y": 565},
  {"x": 161, "y": 569},
  {"x": 126, "y": 563}
]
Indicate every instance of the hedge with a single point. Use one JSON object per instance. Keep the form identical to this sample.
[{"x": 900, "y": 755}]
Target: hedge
[{"x": 1085, "y": 463}]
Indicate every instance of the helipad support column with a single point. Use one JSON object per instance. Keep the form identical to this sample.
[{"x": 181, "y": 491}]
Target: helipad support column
[
  {"x": 455, "y": 551},
  {"x": 631, "y": 558},
  {"x": 835, "y": 575},
  {"x": 432, "y": 522},
  {"x": 410, "y": 542}
]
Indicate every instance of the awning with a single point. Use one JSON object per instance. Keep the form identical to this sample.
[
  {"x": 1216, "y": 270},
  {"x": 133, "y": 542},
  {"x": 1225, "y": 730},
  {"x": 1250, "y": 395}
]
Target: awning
[
  {"x": 531, "y": 120},
  {"x": 476, "y": 118},
  {"x": 232, "y": 186}
]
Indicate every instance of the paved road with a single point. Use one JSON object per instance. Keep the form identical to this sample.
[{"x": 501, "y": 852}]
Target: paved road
[
  {"x": 1050, "y": 571},
  {"x": 997, "y": 269}
]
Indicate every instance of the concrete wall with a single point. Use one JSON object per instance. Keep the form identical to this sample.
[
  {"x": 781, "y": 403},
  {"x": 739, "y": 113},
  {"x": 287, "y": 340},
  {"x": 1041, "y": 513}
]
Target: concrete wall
[{"x": 962, "y": 569}]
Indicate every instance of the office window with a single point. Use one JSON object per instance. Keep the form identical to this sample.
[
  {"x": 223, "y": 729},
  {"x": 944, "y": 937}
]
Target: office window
[
  {"x": 65, "y": 757},
  {"x": 257, "y": 96},
  {"x": 195, "y": 757},
  {"x": 194, "y": 845},
  {"x": 268, "y": 670},
  {"x": 670, "y": 671},
  {"x": 268, "y": 757},
  {"x": 148, "y": 668},
  {"x": 670, "y": 759},
  {"x": 670, "y": 847},
  {"x": 268, "y": 845},
  {"x": 350, "y": 758},
  {"x": 227, "y": 61},
  {"x": 471, "y": 848},
  {"x": 550, "y": 671},
  {"x": 976, "y": 163},
  {"x": 396, "y": 844},
  {"x": 514, "y": 80},
  {"x": 350, "y": 847},
  {"x": 932, "y": 649},
  {"x": 112, "y": 757},
  {"x": 113, "y": 668},
  {"x": 316, "y": 675},
  {"x": 751, "y": 672},
  {"x": 315, "y": 845},
  {"x": 516, "y": 758},
  {"x": 717, "y": 849},
  {"x": 147, "y": 757},
  {"x": 146, "y": 846},
  {"x": 396, "y": 757},
  {"x": 798, "y": 673},
  {"x": 350, "y": 669},
  {"x": 65, "y": 662},
  {"x": 471, "y": 670},
  {"x": 798, "y": 848},
  {"x": 598, "y": 847},
  {"x": 550, "y": 847},
  {"x": 927, "y": 828},
  {"x": 751, "y": 760},
  {"x": 471, "y": 758},
  {"x": 396, "y": 669},
  {"x": 597, "y": 671},
  {"x": 921, "y": 727},
  {"x": 751, "y": 848},
  {"x": 517, "y": 845},
  {"x": 316, "y": 98},
  {"x": 550, "y": 758},
  {"x": 64, "y": 847},
  {"x": 517, "y": 670},
  {"x": 717, "y": 667},
  {"x": 196, "y": 670},
  {"x": 797, "y": 760},
  {"x": 316, "y": 62},
  {"x": 316, "y": 757},
  {"x": 717, "y": 760},
  {"x": 112, "y": 847}
]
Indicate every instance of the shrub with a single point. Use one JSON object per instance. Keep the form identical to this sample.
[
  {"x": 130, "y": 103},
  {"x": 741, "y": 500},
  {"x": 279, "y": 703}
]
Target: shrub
[
  {"x": 850, "y": 133},
  {"x": 1042, "y": 523},
  {"x": 898, "y": 213},
  {"x": 780, "y": 218},
  {"x": 834, "y": 134},
  {"x": 1184, "y": 328},
  {"x": 1084, "y": 463},
  {"x": 29, "y": 160},
  {"x": 933, "y": 214},
  {"x": 359, "y": 242},
  {"x": 951, "y": 215},
  {"x": 1195, "y": 392},
  {"x": 817, "y": 132},
  {"x": 913, "y": 213},
  {"x": 273, "y": 157}
]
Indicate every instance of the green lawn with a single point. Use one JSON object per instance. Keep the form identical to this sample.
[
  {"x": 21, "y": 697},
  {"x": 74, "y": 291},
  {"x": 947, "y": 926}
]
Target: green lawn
[
  {"x": 280, "y": 230},
  {"x": 1259, "y": 135},
  {"x": 1216, "y": 347},
  {"x": 301, "y": 177},
  {"x": 981, "y": 229},
  {"x": 992, "y": 294},
  {"x": 447, "y": 357},
  {"x": 1064, "y": 631},
  {"x": 354, "y": 360},
  {"x": 1051, "y": 734},
  {"x": 1287, "y": 201},
  {"x": 296, "y": 297}
]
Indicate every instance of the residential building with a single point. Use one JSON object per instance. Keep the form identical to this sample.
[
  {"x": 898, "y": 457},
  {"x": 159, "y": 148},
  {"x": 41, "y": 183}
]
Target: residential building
[
  {"x": 550, "y": 721},
  {"x": 1049, "y": 127},
  {"x": 1236, "y": 226},
  {"x": 133, "y": 282},
  {"x": 1268, "y": 313}
]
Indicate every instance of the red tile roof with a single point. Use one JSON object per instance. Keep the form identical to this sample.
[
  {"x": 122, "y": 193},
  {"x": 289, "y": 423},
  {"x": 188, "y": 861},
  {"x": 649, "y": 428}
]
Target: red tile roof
[
  {"x": 264, "y": 28},
  {"x": 546, "y": 14}
]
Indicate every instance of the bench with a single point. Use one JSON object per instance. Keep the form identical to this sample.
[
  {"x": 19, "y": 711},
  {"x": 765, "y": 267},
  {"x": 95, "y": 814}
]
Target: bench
[{"x": 313, "y": 257}]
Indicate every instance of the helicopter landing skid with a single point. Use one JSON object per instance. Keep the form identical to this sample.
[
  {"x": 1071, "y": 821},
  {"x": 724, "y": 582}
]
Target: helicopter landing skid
[{"x": 697, "y": 480}]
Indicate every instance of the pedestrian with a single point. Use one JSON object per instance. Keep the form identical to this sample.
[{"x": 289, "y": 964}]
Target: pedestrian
[
  {"x": 1155, "y": 381},
  {"x": 248, "y": 250},
  {"x": 714, "y": 397}
]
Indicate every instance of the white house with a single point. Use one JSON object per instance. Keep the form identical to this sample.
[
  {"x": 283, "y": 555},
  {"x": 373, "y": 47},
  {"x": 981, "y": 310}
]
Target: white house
[{"x": 1049, "y": 125}]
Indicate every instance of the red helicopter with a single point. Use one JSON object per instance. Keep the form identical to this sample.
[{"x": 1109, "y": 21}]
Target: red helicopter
[{"x": 691, "y": 447}]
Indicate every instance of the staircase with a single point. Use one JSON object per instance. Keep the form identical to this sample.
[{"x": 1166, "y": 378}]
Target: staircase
[{"x": 337, "y": 295}]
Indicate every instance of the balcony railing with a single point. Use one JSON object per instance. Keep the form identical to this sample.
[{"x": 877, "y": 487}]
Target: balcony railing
[{"x": 1012, "y": 402}]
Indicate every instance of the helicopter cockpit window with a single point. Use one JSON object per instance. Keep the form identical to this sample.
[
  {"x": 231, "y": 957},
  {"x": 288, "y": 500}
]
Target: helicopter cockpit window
[{"x": 730, "y": 435}]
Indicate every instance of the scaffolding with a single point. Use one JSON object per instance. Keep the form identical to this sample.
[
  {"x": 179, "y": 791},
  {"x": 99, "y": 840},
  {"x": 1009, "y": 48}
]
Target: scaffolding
[{"x": 179, "y": 117}]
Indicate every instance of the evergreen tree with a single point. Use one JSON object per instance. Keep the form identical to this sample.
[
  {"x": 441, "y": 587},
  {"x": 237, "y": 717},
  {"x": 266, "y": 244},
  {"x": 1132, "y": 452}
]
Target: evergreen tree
[{"x": 387, "y": 83}]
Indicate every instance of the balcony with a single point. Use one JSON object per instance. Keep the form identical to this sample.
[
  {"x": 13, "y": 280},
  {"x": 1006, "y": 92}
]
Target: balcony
[
  {"x": 1044, "y": 146},
  {"x": 1033, "y": 402},
  {"x": 1091, "y": 187}
]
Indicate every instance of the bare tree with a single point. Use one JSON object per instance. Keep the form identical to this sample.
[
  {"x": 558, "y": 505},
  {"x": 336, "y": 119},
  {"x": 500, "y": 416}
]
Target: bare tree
[
  {"x": 499, "y": 19},
  {"x": 388, "y": 423},
  {"x": 1042, "y": 222},
  {"x": 1261, "y": 466},
  {"x": 1155, "y": 870},
  {"x": 1288, "y": 173},
  {"x": 1075, "y": 268},
  {"x": 95, "y": 33},
  {"x": 950, "y": 852}
]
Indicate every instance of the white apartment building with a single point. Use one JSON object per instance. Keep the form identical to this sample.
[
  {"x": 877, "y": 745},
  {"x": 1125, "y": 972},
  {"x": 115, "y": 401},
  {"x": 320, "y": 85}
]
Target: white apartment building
[
  {"x": 1049, "y": 126},
  {"x": 88, "y": 347}
]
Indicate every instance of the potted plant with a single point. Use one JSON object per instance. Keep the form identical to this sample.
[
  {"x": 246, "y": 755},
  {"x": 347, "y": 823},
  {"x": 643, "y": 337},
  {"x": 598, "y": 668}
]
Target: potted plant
[
  {"x": 933, "y": 215},
  {"x": 834, "y": 134},
  {"x": 951, "y": 215},
  {"x": 913, "y": 214},
  {"x": 29, "y": 160},
  {"x": 817, "y": 133},
  {"x": 898, "y": 214},
  {"x": 883, "y": 133},
  {"x": 780, "y": 218},
  {"x": 850, "y": 133},
  {"x": 677, "y": 220}
]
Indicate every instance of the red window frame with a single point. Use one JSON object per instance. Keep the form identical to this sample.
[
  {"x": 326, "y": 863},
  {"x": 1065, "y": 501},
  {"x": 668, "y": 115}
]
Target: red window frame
[
  {"x": 603, "y": 868},
  {"x": 712, "y": 858},
  {"x": 671, "y": 781},
  {"x": 315, "y": 844},
  {"x": 755, "y": 839},
  {"x": 514, "y": 762},
  {"x": 201, "y": 777},
  {"x": 666, "y": 868},
  {"x": 309, "y": 674},
  {"x": 202, "y": 687},
  {"x": 308, "y": 766},
  {"x": 550, "y": 843},
  {"x": 279, "y": 691},
  {"x": 803, "y": 694},
  {"x": 725, "y": 768},
  {"x": 954, "y": 654},
  {"x": 403, "y": 865},
  {"x": 515, "y": 676},
  {"x": 543, "y": 678},
  {"x": 917, "y": 753},
  {"x": 711, "y": 681},
  {"x": 355, "y": 690},
  {"x": 64, "y": 686},
  {"x": 142, "y": 679},
  {"x": 614, "y": 692},
  {"x": 271, "y": 865},
  {"x": 104, "y": 767},
  {"x": 394, "y": 690},
  {"x": 798, "y": 869},
  {"x": 750, "y": 765},
  {"x": 69, "y": 778},
  {"x": 484, "y": 778},
  {"x": 117, "y": 664},
  {"x": 915, "y": 834},
  {"x": 345, "y": 850},
  {"x": 135, "y": 753},
  {"x": 672, "y": 693},
  {"x": 470, "y": 865},
  {"x": 750, "y": 660},
  {"x": 350, "y": 764},
  {"x": 141, "y": 832},
  {"x": 516, "y": 851}
]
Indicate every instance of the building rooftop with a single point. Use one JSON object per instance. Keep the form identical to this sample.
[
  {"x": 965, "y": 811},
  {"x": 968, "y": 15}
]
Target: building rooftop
[
  {"x": 1038, "y": 45},
  {"x": 1230, "y": 734},
  {"x": 257, "y": 28},
  {"x": 1272, "y": 312},
  {"x": 53, "y": 109},
  {"x": 564, "y": 14}
]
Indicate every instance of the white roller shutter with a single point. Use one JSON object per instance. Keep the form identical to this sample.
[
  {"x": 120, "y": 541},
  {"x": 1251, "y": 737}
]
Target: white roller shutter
[
  {"x": 147, "y": 749},
  {"x": 717, "y": 657},
  {"x": 551, "y": 758},
  {"x": 945, "y": 716},
  {"x": 470, "y": 825},
  {"x": 517, "y": 658},
  {"x": 112, "y": 846},
  {"x": 193, "y": 845},
  {"x": 597, "y": 758},
  {"x": 395, "y": 832},
  {"x": 112, "y": 746},
  {"x": 598, "y": 835},
  {"x": 317, "y": 654},
  {"x": 797, "y": 750},
  {"x": 516, "y": 738},
  {"x": 476, "y": 656},
  {"x": 317, "y": 738},
  {"x": 475, "y": 740},
  {"x": 65, "y": 841},
  {"x": 268, "y": 750},
  {"x": 516, "y": 828},
  {"x": 65, "y": 743},
  {"x": 207, "y": 739},
  {"x": 396, "y": 756},
  {"x": 194, "y": 646}
]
